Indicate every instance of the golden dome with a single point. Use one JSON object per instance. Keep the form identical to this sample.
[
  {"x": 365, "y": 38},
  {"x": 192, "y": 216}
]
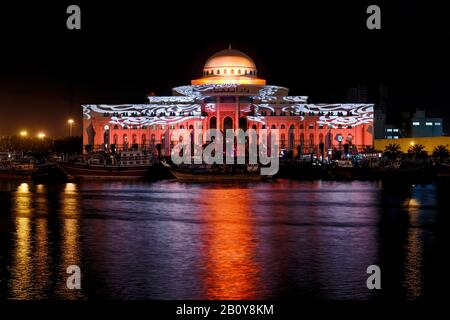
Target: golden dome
[
  {"x": 229, "y": 66},
  {"x": 230, "y": 58}
]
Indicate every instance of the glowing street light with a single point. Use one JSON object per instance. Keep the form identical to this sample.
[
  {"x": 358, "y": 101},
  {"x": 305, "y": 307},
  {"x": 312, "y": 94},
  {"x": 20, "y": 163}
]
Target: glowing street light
[
  {"x": 70, "y": 122},
  {"x": 23, "y": 133},
  {"x": 412, "y": 143},
  {"x": 41, "y": 135}
]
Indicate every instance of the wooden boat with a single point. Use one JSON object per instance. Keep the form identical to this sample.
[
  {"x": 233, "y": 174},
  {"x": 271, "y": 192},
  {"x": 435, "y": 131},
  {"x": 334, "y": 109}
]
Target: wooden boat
[
  {"x": 127, "y": 165},
  {"x": 16, "y": 170},
  {"x": 345, "y": 170},
  {"x": 216, "y": 173}
]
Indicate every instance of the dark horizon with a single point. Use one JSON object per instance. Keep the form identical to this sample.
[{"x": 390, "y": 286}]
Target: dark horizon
[{"x": 124, "y": 52}]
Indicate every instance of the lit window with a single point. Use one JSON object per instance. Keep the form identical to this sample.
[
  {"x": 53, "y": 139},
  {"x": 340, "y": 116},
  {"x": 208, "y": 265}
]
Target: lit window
[
  {"x": 395, "y": 137},
  {"x": 428, "y": 123},
  {"x": 388, "y": 130},
  {"x": 395, "y": 130},
  {"x": 388, "y": 137},
  {"x": 437, "y": 123},
  {"x": 416, "y": 123}
]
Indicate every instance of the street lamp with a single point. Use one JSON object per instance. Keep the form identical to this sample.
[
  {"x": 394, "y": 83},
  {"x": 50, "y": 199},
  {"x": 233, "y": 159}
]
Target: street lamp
[
  {"x": 70, "y": 122},
  {"x": 23, "y": 133},
  {"x": 41, "y": 135}
]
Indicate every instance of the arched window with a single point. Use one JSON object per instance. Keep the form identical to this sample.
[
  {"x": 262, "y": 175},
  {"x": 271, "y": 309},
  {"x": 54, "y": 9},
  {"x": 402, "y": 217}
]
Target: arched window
[
  {"x": 292, "y": 127},
  {"x": 213, "y": 123},
  {"x": 302, "y": 139},
  {"x": 239, "y": 71},
  {"x": 143, "y": 139},
  {"x": 225, "y": 71},
  {"x": 153, "y": 139},
  {"x": 228, "y": 123},
  {"x": 232, "y": 71},
  {"x": 181, "y": 127},
  {"x": 115, "y": 139},
  {"x": 218, "y": 71},
  {"x": 321, "y": 138},
  {"x": 243, "y": 123},
  {"x": 282, "y": 126},
  {"x": 125, "y": 139},
  {"x": 134, "y": 139},
  {"x": 273, "y": 127},
  {"x": 291, "y": 140},
  {"x": 283, "y": 140},
  {"x": 311, "y": 139},
  {"x": 191, "y": 127}
]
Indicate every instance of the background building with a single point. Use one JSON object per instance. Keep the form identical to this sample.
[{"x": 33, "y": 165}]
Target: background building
[{"x": 419, "y": 125}]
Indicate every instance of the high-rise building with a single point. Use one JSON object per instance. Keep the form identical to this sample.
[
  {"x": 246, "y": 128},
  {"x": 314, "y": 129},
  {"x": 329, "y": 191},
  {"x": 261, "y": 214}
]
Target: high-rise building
[{"x": 357, "y": 94}]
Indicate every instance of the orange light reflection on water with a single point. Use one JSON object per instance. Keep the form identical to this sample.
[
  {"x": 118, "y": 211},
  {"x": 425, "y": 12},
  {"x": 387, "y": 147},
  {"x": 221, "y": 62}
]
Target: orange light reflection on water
[{"x": 229, "y": 251}]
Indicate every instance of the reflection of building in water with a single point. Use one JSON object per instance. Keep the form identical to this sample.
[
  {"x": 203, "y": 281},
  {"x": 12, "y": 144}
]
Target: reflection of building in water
[
  {"x": 231, "y": 271},
  {"x": 228, "y": 96}
]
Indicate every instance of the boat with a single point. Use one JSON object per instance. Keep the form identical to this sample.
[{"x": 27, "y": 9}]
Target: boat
[
  {"x": 216, "y": 173},
  {"x": 399, "y": 171},
  {"x": 345, "y": 170},
  {"x": 16, "y": 170},
  {"x": 125, "y": 165},
  {"x": 443, "y": 174}
]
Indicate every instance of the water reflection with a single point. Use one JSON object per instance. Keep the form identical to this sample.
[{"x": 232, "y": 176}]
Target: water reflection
[
  {"x": 36, "y": 272},
  {"x": 231, "y": 271},
  {"x": 413, "y": 251},
  {"x": 169, "y": 240},
  {"x": 22, "y": 268},
  {"x": 70, "y": 247}
]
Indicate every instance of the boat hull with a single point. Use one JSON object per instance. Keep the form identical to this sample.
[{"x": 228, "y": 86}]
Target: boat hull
[
  {"x": 16, "y": 174},
  {"x": 81, "y": 170},
  {"x": 184, "y": 176},
  {"x": 207, "y": 176}
]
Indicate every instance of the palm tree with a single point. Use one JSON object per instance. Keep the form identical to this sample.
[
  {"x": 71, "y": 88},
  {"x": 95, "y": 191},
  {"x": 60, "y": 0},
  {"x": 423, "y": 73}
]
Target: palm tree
[
  {"x": 370, "y": 150},
  {"x": 417, "y": 150},
  {"x": 392, "y": 150},
  {"x": 441, "y": 152}
]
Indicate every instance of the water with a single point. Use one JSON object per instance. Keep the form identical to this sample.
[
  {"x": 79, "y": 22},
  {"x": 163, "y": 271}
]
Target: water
[{"x": 170, "y": 240}]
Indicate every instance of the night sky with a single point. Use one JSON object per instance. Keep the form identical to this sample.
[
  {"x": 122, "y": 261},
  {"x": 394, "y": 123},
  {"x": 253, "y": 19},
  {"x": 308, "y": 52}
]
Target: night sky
[{"x": 126, "y": 50}]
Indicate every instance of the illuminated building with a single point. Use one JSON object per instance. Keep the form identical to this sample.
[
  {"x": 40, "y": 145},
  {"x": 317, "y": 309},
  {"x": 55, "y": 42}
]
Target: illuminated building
[{"x": 229, "y": 96}]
